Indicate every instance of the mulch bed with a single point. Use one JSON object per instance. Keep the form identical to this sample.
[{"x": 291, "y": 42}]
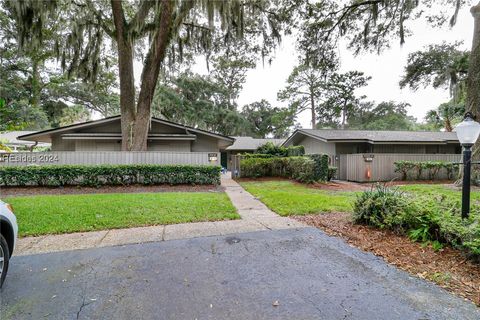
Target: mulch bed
[
  {"x": 31, "y": 191},
  {"x": 448, "y": 267}
]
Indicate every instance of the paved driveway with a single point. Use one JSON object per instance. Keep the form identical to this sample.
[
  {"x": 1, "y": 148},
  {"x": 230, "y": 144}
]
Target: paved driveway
[{"x": 311, "y": 275}]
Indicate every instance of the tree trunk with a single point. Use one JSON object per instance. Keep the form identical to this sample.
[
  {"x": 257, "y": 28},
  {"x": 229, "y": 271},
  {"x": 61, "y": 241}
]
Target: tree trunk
[
  {"x": 312, "y": 106},
  {"x": 149, "y": 78},
  {"x": 127, "y": 81},
  {"x": 344, "y": 116},
  {"x": 473, "y": 82}
]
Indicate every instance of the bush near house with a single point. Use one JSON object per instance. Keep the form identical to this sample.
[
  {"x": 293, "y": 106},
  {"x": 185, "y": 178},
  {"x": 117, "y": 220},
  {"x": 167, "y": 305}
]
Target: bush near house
[
  {"x": 418, "y": 170},
  {"x": 434, "y": 218},
  {"x": 98, "y": 175},
  {"x": 278, "y": 151},
  {"x": 304, "y": 169}
]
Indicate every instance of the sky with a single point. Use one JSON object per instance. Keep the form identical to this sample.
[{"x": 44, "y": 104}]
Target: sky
[{"x": 386, "y": 69}]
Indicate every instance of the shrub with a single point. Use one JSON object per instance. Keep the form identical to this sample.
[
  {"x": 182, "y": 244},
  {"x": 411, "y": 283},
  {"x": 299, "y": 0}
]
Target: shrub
[
  {"x": 298, "y": 168},
  {"x": 278, "y": 151},
  {"x": 321, "y": 166},
  {"x": 435, "y": 219},
  {"x": 416, "y": 169},
  {"x": 295, "y": 151},
  {"x": 332, "y": 171},
  {"x": 256, "y": 155},
  {"x": 97, "y": 175},
  {"x": 379, "y": 206}
]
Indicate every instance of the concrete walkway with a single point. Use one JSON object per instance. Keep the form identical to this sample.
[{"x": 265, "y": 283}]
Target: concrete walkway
[{"x": 255, "y": 216}]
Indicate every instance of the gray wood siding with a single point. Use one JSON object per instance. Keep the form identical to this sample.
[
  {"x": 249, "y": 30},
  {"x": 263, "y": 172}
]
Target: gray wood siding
[
  {"x": 174, "y": 146},
  {"x": 105, "y": 157},
  {"x": 382, "y": 168},
  {"x": 314, "y": 146}
]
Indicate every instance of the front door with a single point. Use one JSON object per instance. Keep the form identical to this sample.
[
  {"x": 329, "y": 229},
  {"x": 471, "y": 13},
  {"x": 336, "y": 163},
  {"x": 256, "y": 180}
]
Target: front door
[{"x": 223, "y": 159}]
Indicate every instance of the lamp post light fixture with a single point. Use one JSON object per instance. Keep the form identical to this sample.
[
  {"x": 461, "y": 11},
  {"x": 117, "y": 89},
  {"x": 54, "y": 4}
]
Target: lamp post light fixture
[{"x": 467, "y": 132}]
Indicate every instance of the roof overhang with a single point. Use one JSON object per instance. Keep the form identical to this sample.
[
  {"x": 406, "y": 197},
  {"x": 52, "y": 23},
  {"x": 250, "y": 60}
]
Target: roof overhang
[
  {"x": 298, "y": 132},
  {"x": 45, "y": 135}
]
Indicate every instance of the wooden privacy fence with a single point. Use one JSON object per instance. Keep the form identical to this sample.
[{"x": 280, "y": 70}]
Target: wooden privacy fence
[
  {"x": 367, "y": 167},
  {"x": 108, "y": 157}
]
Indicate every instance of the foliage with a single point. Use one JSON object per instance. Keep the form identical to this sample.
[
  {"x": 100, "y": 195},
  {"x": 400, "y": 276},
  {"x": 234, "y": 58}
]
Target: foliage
[
  {"x": 54, "y": 214},
  {"x": 321, "y": 166},
  {"x": 445, "y": 116},
  {"x": 262, "y": 120},
  {"x": 415, "y": 169},
  {"x": 158, "y": 33},
  {"x": 385, "y": 116},
  {"x": 257, "y": 155},
  {"x": 439, "y": 65},
  {"x": 305, "y": 88},
  {"x": 289, "y": 198},
  {"x": 36, "y": 93},
  {"x": 298, "y": 168},
  {"x": 379, "y": 206},
  {"x": 98, "y": 175},
  {"x": 341, "y": 98},
  {"x": 371, "y": 25},
  {"x": 434, "y": 218},
  {"x": 270, "y": 148},
  {"x": 332, "y": 172},
  {"x": 198, "y": 101}
]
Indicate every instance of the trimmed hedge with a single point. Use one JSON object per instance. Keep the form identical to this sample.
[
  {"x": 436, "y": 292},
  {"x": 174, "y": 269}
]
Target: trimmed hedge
[
  {"x": 418, "y": 170},
  {"x": 321, "y": 166},
  {"x": 98, "y": 175},
  {"x": 304, "y": 169},
  {"x": 299, "y": 168}
]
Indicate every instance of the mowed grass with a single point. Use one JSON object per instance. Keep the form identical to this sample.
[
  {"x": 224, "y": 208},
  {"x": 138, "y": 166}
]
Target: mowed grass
[
  {"x": 53, "y": 214},
  {"x": 447, "y": 190},
  {"x": 289, "y": 198}
]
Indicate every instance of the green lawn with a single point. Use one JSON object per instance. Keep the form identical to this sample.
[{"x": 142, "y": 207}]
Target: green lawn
[
  {"x": 49, "y": 214},
  {"x": 288, "y": 198}
]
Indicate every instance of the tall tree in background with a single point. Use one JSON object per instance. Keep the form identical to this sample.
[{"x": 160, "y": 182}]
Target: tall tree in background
[
  {"x": 306, "y": 84},
  {"x": 264, "y": 121},
  {"x": 342, "y": 99},
  {"x": 445, "y": 116},
  {"x": 168, "y": 25},
  {"x": 229, "y": 68},
  {"x": 439, "y": 66},
  {"x": 384, "y": 116},
  {"x": 197, "y": 101}
]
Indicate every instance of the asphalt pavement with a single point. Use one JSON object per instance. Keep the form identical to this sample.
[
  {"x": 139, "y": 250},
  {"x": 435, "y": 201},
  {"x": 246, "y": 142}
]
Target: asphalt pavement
[{"x": 275, "y": 274}]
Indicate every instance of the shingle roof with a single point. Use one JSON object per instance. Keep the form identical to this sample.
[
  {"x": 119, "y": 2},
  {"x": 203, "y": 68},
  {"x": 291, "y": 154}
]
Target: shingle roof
[
  {"x": 249, "y": 143},
  {"x": 381, "y": 136}
]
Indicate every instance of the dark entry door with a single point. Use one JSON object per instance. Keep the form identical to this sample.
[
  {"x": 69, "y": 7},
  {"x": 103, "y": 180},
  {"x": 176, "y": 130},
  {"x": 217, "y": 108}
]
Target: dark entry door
[{"x": 223, "y": 159}]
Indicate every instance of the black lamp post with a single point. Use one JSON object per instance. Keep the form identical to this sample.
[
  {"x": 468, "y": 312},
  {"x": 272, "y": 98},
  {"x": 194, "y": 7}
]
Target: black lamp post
[{"x": 467, "y": 133}]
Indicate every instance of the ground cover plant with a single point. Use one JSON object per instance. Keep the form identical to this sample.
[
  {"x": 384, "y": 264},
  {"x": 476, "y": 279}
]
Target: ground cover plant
[
  {"x": 53, "y": 214},
  {"x": 430, "y": 215},
  {"x": 290, "y": 198}
]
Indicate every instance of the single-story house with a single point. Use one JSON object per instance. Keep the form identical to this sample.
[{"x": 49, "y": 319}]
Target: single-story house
[
  {"x": 362, "y": 155},
  {"x": 337, "y": 142},
  {"x": 105, "y": 135},
  {"x": 10, "y": 139},
  {"x": 245, "y": 145}
]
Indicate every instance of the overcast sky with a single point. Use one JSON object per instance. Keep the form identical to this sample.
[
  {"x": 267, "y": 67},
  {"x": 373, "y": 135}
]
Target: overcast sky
[{"x": 385, "y": 69}]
